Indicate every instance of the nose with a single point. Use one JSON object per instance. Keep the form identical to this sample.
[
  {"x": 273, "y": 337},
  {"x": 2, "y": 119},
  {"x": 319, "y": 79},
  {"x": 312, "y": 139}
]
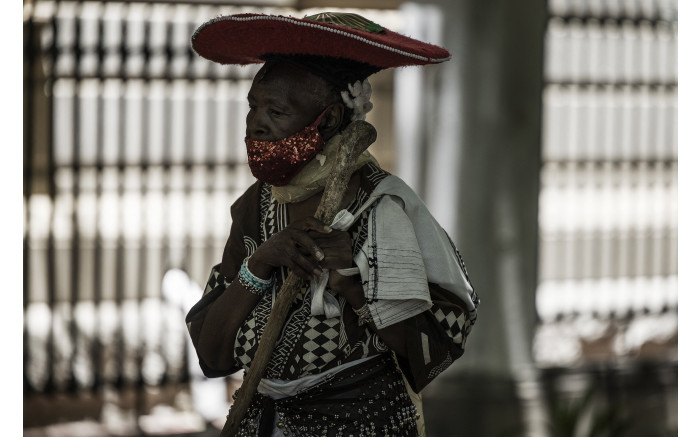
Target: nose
[{"x": 255, "y": 126}]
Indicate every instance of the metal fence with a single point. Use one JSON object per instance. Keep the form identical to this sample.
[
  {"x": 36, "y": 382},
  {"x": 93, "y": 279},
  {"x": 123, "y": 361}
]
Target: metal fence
[
  {"x": 608, "y": 202},
  {"x": 128, "y": 162}
]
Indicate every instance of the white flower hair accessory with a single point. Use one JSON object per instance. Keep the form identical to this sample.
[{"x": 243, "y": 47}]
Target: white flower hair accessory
[{"x": 359, "y": 102}]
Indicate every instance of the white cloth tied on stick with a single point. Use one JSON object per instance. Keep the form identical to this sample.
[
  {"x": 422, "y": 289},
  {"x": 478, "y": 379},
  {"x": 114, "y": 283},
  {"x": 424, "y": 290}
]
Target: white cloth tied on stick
[{"x": 322, "y": 301}]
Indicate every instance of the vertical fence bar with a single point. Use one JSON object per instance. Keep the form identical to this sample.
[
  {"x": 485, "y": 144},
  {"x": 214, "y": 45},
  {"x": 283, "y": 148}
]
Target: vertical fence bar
[
  {"x": 163, "y": 240},
  {"x": 98, "y": 295},
  {"x": 29, "y": 79},
  {"x": 51, "y": 170},
  {"x": 127, "y": 325},
  {"x": 189, "y": 138},
  {"x": 76, "y": 176}
]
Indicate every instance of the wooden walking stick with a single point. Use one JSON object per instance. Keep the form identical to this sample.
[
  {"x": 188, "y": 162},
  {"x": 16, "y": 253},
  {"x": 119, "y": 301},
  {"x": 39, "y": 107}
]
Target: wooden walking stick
[{"x": 355, "y": 139}]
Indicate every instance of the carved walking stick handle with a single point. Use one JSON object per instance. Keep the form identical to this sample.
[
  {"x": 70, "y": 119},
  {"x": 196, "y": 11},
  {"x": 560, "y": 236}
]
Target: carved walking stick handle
[{"x": 355, "y": 139}]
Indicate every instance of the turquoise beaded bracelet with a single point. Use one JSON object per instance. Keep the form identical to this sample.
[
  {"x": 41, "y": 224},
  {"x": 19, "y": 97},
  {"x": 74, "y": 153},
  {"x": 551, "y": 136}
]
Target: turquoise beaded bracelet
[{"x": 251, "y": 282}]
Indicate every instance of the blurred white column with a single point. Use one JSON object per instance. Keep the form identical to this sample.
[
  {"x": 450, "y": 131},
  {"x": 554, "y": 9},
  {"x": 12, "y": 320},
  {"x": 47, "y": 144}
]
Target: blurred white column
[
  {"x": 134, "y": 122},
  {"x": 608, "y": 70},
  {"x": 577, "y": 51},
  {"x": 157, "y": 39},
  {"x": 201, "y": 134},
  {"x": 556, "y": 50},
  {"x": 135, "y": 39},
  {"x": 38, "y": 316}
]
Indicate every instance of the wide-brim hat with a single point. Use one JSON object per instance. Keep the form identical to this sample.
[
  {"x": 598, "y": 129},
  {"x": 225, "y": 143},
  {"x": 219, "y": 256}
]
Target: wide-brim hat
[{"x": 249, "y": 38}]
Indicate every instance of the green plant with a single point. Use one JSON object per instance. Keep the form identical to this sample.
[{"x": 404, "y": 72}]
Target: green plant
[{"x": 583, "y": 417}]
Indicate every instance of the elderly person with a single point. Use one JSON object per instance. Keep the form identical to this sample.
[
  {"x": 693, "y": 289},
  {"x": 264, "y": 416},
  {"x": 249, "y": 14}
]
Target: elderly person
[{"x": 386, "y": 304}]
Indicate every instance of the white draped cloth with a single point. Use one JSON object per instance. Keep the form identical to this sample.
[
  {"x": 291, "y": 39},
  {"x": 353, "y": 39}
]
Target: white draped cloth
[{"x": 405, "y": 249}]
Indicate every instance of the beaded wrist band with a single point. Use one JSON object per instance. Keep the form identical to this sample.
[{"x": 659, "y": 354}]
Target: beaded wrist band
[
  {"x": 251, "y": 282},
  {"x": 363, "y": 315}
]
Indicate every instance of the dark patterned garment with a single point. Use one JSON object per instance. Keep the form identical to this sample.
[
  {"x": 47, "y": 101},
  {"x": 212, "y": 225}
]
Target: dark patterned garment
[
  {"x": 368, "y": 399},
  {"x": 313, "y": 344}
]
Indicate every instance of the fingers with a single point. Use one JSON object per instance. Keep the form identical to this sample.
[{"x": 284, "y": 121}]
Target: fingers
[
  {"x": 337, "y": 249},
  {"x": 308, "y": 252},
  {"x": 305, "y": 247},
  {"x": 308, "y": 246},
  {"x": 302, "y": 265}
]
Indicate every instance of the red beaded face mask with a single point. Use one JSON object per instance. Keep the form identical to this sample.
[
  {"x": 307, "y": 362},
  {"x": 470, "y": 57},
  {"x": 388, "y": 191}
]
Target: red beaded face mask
[{"x": 277, "y": 162}]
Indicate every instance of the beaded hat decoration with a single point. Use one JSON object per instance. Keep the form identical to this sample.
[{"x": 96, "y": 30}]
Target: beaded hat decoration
[{"x": 243, "y": 39}]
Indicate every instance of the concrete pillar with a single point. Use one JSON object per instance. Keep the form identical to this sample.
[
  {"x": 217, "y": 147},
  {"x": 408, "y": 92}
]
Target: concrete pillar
[{"x": 497, "y": 63}]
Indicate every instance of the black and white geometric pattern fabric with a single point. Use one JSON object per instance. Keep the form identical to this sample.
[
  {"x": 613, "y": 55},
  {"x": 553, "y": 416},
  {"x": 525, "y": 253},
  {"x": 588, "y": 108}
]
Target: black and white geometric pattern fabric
[
  {"x": 453, "y": 324},
  {"x": 216, "y": 282},
  {"x": 474, "y": 295},
  {"x": 292, "y": 330},
  {"x": 435, "y": 371},
  {"x": 320, "y": 343},
  {"x": 246, "y": 344},
  {"x": 376, "y": 174}
]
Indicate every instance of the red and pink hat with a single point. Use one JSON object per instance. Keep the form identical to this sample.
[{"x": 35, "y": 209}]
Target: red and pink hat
[{"x": 252, "y": 38}]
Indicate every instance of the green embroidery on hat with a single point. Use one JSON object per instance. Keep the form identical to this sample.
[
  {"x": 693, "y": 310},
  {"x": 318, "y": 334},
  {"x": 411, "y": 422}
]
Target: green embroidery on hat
[{"x": 352, "y": 21}]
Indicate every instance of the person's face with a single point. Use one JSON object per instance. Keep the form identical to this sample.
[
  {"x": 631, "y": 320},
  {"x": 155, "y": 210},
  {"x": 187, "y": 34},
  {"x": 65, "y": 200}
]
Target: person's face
[{"x": 283, "y": 100}]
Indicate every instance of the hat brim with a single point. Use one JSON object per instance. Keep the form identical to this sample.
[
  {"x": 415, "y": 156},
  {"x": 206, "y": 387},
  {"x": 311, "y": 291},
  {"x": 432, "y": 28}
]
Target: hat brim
[{"x": 245, "y": 38}]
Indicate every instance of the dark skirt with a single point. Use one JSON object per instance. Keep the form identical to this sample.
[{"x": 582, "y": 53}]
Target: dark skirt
[{"x": 369, "y": 399}]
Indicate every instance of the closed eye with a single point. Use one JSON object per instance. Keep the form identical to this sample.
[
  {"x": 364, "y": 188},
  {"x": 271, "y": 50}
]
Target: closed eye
[{"x": 277, "y": 113}]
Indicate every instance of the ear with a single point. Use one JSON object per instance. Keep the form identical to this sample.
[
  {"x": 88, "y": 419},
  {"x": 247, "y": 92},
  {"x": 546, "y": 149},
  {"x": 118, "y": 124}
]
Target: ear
[{"x": 332, "y": 121}]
